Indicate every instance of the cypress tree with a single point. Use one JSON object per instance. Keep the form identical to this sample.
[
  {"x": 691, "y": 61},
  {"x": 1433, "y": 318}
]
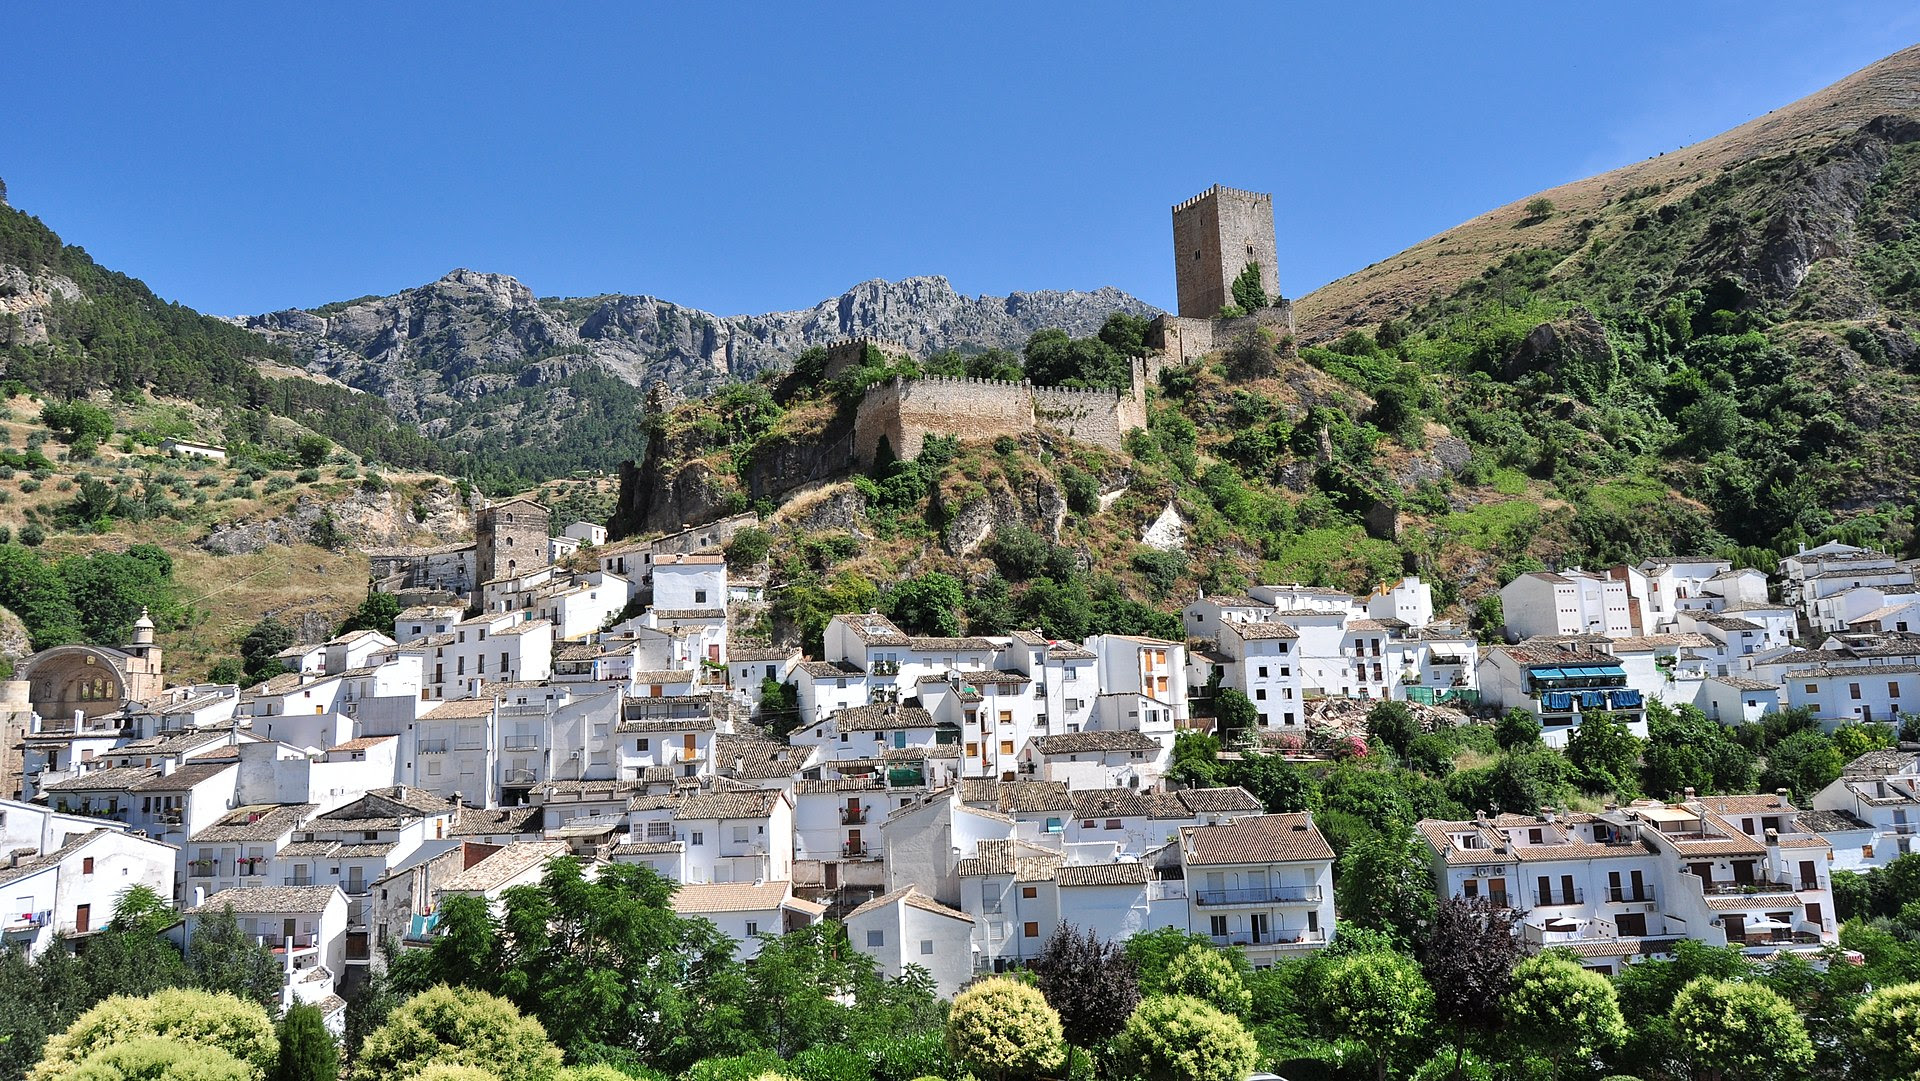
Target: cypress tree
[{"x": 307, "y": 1049}]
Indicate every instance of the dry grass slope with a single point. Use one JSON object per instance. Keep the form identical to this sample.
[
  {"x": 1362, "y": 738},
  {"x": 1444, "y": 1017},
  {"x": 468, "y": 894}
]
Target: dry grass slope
[{"x": 1440, "y": 264}]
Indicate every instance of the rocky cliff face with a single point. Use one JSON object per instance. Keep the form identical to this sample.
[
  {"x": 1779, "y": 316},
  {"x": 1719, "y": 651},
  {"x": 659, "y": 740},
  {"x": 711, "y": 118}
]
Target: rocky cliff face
[{"x": 470, "y": 335}]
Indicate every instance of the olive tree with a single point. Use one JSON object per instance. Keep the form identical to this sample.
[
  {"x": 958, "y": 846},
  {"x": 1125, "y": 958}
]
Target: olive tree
[
  {"x": 1000, "y": 1028},
  {"x": 1181, "y": 1038}
]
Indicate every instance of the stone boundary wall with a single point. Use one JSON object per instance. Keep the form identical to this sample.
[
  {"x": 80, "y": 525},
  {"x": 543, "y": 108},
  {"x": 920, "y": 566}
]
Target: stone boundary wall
[
  {"x": 904, "y": 412},
  {"x": 1179, "y": 340}
]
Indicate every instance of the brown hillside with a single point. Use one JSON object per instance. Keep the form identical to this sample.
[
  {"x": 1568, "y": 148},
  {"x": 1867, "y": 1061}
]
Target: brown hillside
[{"x": 1440, "y": 264}]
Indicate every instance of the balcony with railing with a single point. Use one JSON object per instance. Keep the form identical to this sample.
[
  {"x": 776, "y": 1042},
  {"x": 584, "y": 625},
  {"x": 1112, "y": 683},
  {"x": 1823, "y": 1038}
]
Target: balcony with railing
[
  {"x": 884, "y": 668},
  {"x": 1756, "y": 888},
  {"x": 1623, "y": 895},
  {"x": 24, "y": 922},
  {"x": 853, "y": 816},
  {"x": 1258, "y": 895},
  {"x": 853, "y": 849},
  {"x": 530, "y": 709},
  {"x": 433, "y": 746},
  {"x": 202, "y": 868},
  {"x": 1551, "y": 898},
  {"x": 521, "y": 743},
  {"x": 1281, "y": 937}
]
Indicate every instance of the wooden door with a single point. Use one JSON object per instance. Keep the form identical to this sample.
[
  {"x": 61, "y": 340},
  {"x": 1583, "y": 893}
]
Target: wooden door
[
  {"x": 1566, "y": 889},
  {"x": 1639, "y": 887},
  {"x": 287, "y": 929},
  {"x": 1814, "y": 915},
  {"x": 1704, "y": 871},
  {"x": 1743, "y": 872},
  {"x": 1497, "y": 891},
  {"x": 83, "y": 919},
  {"x": 1809, "y": 877},
  {"x": 1736, "y": 928}
]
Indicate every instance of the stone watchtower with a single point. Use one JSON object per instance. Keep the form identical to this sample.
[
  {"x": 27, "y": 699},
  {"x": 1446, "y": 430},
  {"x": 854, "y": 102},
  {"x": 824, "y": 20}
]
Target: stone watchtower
[
  {"x": 1215, "y": 235},
  {"x": 509, "y": 538}
]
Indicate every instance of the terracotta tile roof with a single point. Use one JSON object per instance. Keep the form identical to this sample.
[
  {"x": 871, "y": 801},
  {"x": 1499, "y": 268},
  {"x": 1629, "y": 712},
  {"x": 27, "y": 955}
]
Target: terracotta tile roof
[
  {"x": 191, "y": 773},
  {"x": 258, "y": 822},
  {"x": 830, "y": 669},
  {"x": 502, "y": 866},
  {"x": 929, "y": 644},
  {"x": 1251, "y": 631},
  {"x": 1881, "y": 762},
  {"x": 751, "y": 758},
  {"x": 1025, "y": 862},
  {"x": 1256, "y": 839},
  {"x": 754, "y": 653},
  {"x": 364, "y": 743},
  {"x": 865, "y": 783},
  {"x": 909, "y": 895},
  {"x": 1102, "y": 874},
  {"x": 29, "y": 867},
  {"x": 881, "y": 717},
  {"x": 1033, "y": 796},
  {"x": 980, "y": 790},
  {"x": 1087, "y": 742},
  {"x": 695, "y": 900},
  {"x": 756, "y": 803},
  {"x": 873, "y": 629},
  {"x": 1111, "y": 803},
  {"x": 1219, "y": 800},
  {"x": 647, "y": 848},
  {"x": 462, "y": 709},
  {"x": 1824, "y": 821},
  {"x": 271, "y": 899},
  {"x": 498, "y": 820},
  {"x": 691, "y": 614},
  {"x": 114, "y": 779}
]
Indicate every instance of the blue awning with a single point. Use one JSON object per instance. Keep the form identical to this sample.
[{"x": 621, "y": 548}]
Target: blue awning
[{"x": 1548, "y": 673}]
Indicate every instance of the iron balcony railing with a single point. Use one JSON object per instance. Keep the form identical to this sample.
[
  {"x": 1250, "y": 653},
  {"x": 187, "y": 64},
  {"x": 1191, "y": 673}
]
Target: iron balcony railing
[{"x": 1259, "y": 895}]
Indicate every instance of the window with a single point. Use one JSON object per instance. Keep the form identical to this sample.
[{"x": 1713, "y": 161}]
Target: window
[
  {"x": 1028, "y": 893},
  {"x": 1217, "y": 926},
  {"x": 1263, "y": 671},
  {"x": 876, "y": 939},
  {"x": 1113, "y": 823},
  {"x": 1811, "y": 689},
  {"x": 740, "y": 835},
  {"x": 86, "y": 866},
  {"x": 1853, "y": 691},
  {"x": 699, "y": 838},
  {"x": 1006, "y": 746},
  {"x": 926, "y": 947},
  {"x": 1030, "y": 929},
  {"x": 1260, "y": 694},
  {"x": 1893, "y": 689},
  {"x": 640, "y": 746},
  {"x": 752, "y": 928}
]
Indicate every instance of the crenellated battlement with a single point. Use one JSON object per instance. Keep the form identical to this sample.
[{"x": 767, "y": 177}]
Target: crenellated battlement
[
  {"x": 903, "y": 412},
  {"x": 846, "y": 354},
  {"x": 1221, "y": 189}
]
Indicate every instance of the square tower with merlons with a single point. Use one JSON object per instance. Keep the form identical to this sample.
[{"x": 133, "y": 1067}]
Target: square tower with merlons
[{"x": 1215, "y": 235}]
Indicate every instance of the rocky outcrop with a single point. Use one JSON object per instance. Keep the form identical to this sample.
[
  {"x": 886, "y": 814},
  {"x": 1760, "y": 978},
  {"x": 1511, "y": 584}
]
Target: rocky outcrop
[
  {"x": 364, "y": 519},
  {"x": 452, "y": 340},
  {"x": 1573, "y": 353},
  {"x": 24, "y": 300}
]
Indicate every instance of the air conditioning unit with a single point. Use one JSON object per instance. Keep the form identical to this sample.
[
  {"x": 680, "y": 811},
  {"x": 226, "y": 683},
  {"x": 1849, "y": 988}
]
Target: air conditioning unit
[
  {"x": 352, "y": 708},
  {"x": 1653, "y": 908}
]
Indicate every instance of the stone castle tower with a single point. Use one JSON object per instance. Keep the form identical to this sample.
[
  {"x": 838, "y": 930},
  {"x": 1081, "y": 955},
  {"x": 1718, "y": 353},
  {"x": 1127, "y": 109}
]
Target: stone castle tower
[
  {"x": 1215, "y": 235},
  {"x": 509, "y": 538}
]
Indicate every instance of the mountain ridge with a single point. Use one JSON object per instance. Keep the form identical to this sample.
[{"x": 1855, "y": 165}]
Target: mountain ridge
[{"x": 1394, "y": 286}]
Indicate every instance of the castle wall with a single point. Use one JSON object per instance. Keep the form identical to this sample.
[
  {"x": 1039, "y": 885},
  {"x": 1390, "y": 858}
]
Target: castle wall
[
  {"x": 906, "y": 412},
  {"x": 1180, "y": 340},
  {"x": 1215, "y": 235},
  {"x": 847, "y": 354}
]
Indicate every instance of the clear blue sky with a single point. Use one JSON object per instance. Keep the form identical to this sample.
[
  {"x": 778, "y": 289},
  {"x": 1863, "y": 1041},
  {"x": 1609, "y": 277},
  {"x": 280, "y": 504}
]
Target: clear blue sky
[{"x": 747, "y": 157}]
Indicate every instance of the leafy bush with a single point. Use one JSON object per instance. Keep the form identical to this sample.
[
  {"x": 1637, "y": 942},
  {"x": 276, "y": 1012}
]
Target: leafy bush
[
  {"x": 465, "y": 1027},
  {"x": 186, "y": 1018},
  {"x": 1000, "y": 1028}
]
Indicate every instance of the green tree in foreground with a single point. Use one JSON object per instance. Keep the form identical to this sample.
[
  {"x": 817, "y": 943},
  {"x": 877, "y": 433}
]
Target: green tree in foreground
[
  {"x": 1204, "y": 973},
  {"x": 153, "y": 1058},
  {"x": 1393, "y": 724},
  {"x": 1376, "y": 1002},
  {"x": 307, "y": 1049},
  {"x": 197, "y": 1019},
  {"x": 224, "y": 958},
  {"x": 1887, "y": 1030},
  {"x": 1561, "y": 1011},
  {"x": 1386, "y": 884},
  {"x": 1000, "y": 1028},
  {"x": 1740, "y": 1032},
  {"x": 376, "y": 613},
  {"x": 1180, "y": 1038},
  {"x": 457, "y": 1027}
]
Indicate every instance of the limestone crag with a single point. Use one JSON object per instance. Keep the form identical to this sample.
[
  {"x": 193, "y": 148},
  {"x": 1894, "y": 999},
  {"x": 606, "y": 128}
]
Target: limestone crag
[
  {"x": 365, "y": 519},
  {"x": 468, "y": 334},
  {"x": 24, "y": 300}
]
